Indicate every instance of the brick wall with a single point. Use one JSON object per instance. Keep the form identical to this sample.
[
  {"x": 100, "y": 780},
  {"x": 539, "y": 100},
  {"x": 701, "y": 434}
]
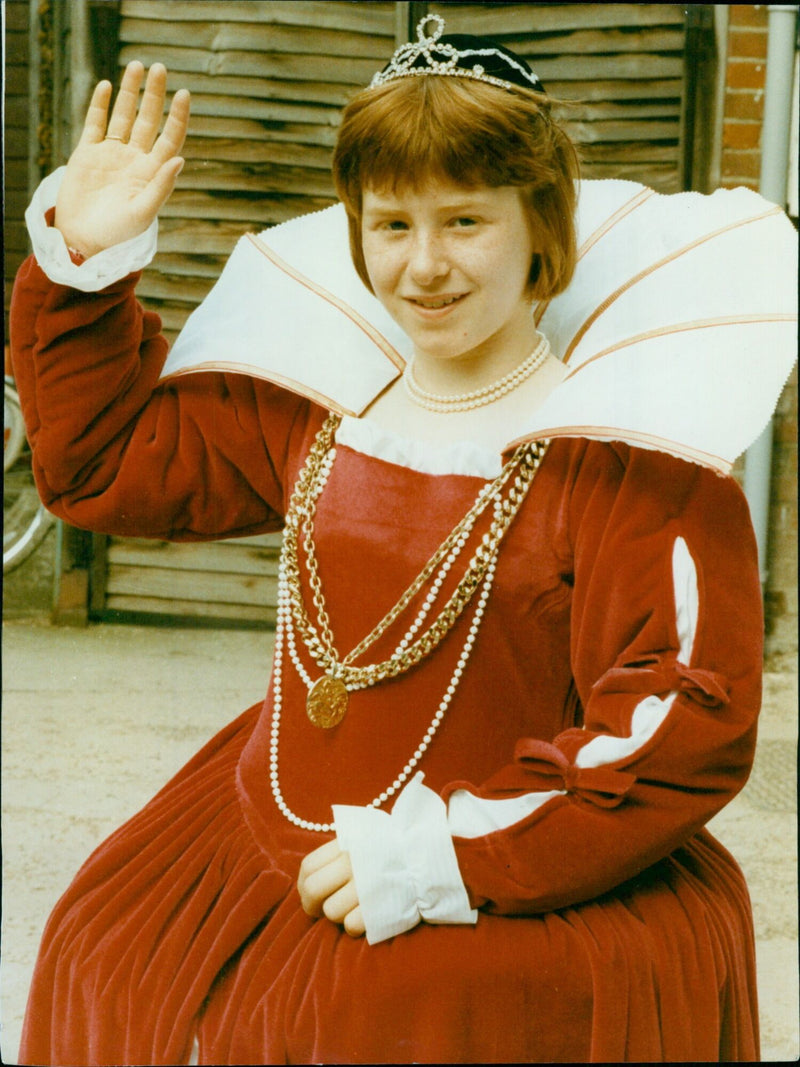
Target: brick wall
[{"x": 740, "y": 164}]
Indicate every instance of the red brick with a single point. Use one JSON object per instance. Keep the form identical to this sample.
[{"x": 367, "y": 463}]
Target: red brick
[
  {"x": 743, "y": 164},
  {"x": 745, "y": 74},
  {"x": 747, "y": 43},
  {"x": 748, "y": 15},
  {"x": 737, "y": 134},
  {"x": 744, "y": 104}
]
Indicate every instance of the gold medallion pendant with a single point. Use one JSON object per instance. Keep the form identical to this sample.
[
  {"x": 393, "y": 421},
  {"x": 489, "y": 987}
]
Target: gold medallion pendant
[{"x": 326, "y": 705}]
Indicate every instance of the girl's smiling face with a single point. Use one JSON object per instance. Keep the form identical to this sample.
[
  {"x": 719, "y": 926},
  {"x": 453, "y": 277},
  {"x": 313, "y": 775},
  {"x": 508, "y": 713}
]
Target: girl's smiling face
[{"x": 451, "y": 265}]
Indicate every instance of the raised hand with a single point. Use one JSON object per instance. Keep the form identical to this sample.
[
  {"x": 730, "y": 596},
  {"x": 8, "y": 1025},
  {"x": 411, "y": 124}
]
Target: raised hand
[{"x": 122, "y": 171}]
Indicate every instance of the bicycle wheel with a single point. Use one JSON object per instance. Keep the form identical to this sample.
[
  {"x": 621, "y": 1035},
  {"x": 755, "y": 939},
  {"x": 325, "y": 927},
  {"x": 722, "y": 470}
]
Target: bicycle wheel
[{"x": 25, "y": 520}]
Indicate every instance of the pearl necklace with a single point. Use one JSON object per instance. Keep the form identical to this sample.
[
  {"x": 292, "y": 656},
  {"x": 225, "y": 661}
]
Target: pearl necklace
[
  {"x": 314, "y": 478},
  {"x": 284, "y": 631},
  {"x": 478, "y": 397}
]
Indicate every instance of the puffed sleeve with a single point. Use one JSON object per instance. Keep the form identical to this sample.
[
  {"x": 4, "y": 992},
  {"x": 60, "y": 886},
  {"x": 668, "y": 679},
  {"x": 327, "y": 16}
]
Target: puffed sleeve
[
  {"x": 115, "y": 450},
  {"x": 666, "y": 651}
]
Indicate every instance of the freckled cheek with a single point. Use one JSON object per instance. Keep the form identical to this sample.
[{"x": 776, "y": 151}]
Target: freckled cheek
[{"x": 383, "y": 268}]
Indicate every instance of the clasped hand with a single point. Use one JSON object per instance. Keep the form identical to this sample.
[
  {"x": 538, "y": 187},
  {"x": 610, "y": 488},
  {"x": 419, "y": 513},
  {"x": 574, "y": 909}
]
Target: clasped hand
[
  {"x": 121, "y": 171},
  {"x": 326, "y": 887}
]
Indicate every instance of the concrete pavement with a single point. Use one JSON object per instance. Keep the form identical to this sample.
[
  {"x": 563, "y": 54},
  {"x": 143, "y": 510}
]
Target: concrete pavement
[{"x": 96, "y": 719}]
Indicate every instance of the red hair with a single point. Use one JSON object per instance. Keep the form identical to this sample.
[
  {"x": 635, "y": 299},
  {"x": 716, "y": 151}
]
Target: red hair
[{"x": 470, "y": 133}]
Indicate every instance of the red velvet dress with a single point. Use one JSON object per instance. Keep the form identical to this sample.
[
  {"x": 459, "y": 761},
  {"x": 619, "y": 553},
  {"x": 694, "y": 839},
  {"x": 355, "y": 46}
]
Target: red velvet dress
[{"x": 612, "y": 926}]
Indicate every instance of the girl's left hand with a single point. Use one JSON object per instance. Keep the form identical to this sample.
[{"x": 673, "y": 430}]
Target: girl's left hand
[{"x": 326, "y": 887}]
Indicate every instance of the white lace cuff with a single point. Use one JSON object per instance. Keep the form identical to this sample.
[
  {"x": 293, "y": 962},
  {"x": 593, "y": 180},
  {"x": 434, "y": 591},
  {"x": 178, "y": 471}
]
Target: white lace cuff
[
  {"x": 404, "y": 864},
  {"x": 105, "y": 268}
]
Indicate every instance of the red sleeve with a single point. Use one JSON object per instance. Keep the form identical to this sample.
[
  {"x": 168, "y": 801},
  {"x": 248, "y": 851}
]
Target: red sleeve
[
  {"x": 118, "y": 452},
  {"x": 666, "y": 636}
]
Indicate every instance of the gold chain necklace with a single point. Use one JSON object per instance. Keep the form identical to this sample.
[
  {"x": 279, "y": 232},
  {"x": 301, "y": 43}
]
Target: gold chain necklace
[{"x": 328, "y": 696}]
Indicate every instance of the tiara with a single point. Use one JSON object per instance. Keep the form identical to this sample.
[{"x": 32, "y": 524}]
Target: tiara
[{"x": 430, "y": 55}]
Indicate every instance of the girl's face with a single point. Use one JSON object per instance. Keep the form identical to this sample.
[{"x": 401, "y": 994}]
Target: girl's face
[{"x": 451, "y": 266}]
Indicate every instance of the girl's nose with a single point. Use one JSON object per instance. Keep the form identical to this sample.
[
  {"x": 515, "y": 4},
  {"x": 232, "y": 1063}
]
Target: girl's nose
[{"x": 427, "y": 262}]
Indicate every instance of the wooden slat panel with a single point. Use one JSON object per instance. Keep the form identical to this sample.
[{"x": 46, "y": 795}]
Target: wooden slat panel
[
  {"x": 192, "y": 609},
  {"x": 497, "y": 20},
  {"x": 168, "y": 583},
  {"x": 222, "y": 37},
  {"x": 368, "y": 17},
  {"x": 224, "y": 557},
  {"x": 355, "y": 72}
]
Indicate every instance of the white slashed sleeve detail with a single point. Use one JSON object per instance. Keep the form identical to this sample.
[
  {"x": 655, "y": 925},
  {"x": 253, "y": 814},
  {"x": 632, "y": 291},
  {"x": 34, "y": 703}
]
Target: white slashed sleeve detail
[
  {"x": 109, "y": 266},
  {"x": 404, "y": 864},
  {"x": 472, "y": 816}
]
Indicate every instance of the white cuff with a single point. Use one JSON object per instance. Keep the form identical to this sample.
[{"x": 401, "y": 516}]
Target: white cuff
[
  {"x": 404, "y": 864},
  {"x": 105, "y": 268}
]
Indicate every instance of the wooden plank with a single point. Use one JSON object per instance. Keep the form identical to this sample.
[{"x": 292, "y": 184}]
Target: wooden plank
[
  {"x": 166, "y": 583},
  {"x": 641, "y": 65},
  {"x": 192, "y": 609},
  {"x": 494, "y": 20},
  {"x": 264, "y": 110},
  {"x": 613, "y": 109},
  {"x": 216, "y": 237},
  {"x": 189, "y": 263},
  {"x": 204, "y": 128},
  {"x": 169, "y": 287},
  {"x": 338, "y": 69},
  {"x": 662, "y": 177},
  {"x": 375, "y": 18},
  {"x": 316, "y": 92},
  {"x": 266, "y": 209},
  {"x": 605, "y": 41},
  {"x": 646, "y": 89},
  {"x": 255, "y": 178},
  {"x": 632, "y": 153},
  {"x": 218, "y": 557},
  {"x": 590, "y": 132},
  {"x": 16, "y": 16},
  {"x": 266, "y": 151},
  {"x": 225, "y": 36}
]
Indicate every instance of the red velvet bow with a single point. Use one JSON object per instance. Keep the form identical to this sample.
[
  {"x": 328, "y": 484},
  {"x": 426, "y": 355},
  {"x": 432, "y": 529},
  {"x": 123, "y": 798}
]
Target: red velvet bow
[
  {"x": 602, "y": 786},
  {"x": 660, "y": 675}
]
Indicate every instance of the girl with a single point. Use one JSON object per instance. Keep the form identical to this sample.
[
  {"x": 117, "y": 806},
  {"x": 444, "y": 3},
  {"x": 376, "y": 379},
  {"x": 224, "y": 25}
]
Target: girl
[{"x": 511, "y": 682}]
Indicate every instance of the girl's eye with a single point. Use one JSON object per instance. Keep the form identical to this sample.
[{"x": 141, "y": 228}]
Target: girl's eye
[
  {"x": 396, "y": 224},
  {"x": 464, "y": 221}
]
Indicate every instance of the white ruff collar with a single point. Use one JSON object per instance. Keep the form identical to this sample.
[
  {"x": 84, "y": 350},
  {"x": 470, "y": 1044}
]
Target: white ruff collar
[{"x": 679, "y": 327}]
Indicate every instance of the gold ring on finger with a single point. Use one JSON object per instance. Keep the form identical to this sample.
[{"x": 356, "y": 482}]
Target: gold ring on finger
[{"x": 114, "y": 137}]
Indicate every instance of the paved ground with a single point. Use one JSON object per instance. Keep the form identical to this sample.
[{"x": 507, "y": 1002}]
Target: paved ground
[{"x": 95, "y": 720}]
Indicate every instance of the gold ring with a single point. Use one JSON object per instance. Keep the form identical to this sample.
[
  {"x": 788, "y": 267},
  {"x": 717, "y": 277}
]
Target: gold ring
[{"x": 114, "y": 137}]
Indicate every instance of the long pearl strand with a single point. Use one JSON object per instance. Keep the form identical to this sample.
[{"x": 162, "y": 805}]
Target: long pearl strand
[
  {"x": 478, "y": 397},
  {"x": 285, "y": 633}
]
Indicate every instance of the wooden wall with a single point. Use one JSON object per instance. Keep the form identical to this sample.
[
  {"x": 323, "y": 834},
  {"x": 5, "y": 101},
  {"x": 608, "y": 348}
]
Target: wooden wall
[{"x": 16, "y": 136}]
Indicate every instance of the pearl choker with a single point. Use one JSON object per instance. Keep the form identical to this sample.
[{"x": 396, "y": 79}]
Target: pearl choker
[{"x": 478, "y": 397}]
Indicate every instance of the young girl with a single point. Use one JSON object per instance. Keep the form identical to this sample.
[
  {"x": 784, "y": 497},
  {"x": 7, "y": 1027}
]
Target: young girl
[{"x": 511, "y": 682}]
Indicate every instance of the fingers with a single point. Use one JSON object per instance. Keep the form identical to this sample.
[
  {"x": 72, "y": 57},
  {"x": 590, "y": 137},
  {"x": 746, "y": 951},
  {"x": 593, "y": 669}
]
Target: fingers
[
  {"x": 317, "y": 885},
  {"x": 145, "y": 128},
  {"x": 354, "y": 924},
  {"x": 173, "y": 135},
  {"x": 94, "y": 128},
  {"x": 339, "y": 904},
  {"x": 124, "y": 111},
  {"x": 158, "y": 189}
]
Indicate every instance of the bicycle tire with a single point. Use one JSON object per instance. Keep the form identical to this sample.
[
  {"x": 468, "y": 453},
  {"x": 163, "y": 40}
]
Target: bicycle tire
[{"x": 25, "y": 519}]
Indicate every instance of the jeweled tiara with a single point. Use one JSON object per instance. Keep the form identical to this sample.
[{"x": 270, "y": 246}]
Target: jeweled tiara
[{"x": 458, "y": 56}]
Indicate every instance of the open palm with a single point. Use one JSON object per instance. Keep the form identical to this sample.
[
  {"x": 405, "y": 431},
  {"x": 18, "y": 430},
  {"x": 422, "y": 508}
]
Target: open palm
[{"x": 122, "y": 171}]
